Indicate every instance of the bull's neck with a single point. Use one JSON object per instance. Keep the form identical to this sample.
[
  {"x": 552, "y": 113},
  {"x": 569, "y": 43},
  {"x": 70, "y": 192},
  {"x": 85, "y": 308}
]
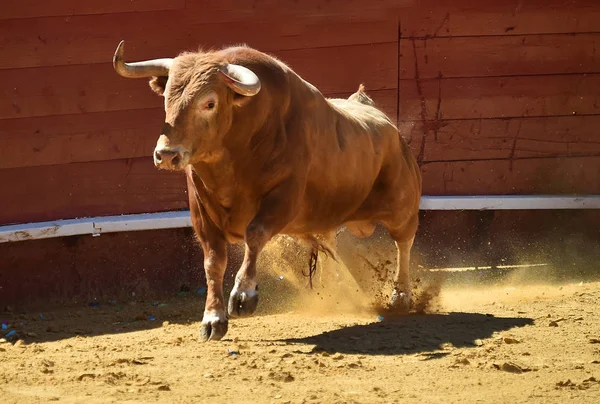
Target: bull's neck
[
  {"x": 215, "y": 170},
  {"x": 217, "y": 178}
]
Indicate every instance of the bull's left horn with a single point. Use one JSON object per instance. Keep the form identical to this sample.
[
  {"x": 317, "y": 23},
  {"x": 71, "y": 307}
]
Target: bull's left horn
[
  {"x": 147, "y": 68},
  {"x": 241, "y": 79}
]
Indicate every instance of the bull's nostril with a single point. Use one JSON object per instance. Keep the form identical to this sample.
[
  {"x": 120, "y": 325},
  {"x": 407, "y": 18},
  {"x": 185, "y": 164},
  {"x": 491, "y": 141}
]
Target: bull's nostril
[
  {"x": 176, "y": 159},
  {"x": 157, "y": 157}
]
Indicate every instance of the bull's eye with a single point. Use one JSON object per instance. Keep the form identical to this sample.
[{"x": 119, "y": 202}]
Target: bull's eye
[{"x": 210, "y": 105}]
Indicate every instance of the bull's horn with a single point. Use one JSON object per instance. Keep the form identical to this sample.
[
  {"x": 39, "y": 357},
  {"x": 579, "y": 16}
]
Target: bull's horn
[
  {"x": 241, "y": 79},
  {"x": 147, "y": 68}
]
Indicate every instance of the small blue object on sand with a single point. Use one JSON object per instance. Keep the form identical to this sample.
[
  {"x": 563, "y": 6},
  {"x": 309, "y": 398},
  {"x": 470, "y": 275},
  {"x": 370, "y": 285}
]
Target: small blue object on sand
[{"x": 380, "y": 318}]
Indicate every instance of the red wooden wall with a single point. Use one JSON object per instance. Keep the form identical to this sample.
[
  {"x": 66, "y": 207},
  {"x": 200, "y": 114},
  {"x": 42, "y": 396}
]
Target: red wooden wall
[{"x": 495, "y": 97}]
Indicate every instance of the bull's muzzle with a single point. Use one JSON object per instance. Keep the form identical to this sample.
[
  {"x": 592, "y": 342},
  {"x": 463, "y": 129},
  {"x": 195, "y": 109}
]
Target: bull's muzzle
[{"x": 169, "y": 159}]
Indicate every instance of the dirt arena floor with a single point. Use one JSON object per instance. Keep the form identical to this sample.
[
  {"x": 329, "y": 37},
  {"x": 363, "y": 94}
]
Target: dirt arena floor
[{"x": 473, "y": 338}]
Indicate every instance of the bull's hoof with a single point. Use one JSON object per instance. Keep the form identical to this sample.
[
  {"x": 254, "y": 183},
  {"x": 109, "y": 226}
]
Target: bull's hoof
[
  {"x": 214, "y": 327},
  {"x": 400, "y": 301},
  {"x": 242, "y": 303}
]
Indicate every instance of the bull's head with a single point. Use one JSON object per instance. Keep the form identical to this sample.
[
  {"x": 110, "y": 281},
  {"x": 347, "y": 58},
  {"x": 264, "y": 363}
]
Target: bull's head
[{"x": 200, "y": 92}]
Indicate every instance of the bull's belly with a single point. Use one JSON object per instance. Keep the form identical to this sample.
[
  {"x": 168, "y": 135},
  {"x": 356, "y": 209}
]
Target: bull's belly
[{"x": 320, "y": 216}]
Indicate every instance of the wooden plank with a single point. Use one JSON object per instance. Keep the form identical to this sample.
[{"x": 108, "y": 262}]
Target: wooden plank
[
  {"x": 36, "y": 8},
  {"x": 234, "y": 10},
  {"x": 342, "y": 69},
  {"x": 467, "y": 98},
  {"x": 440, "y": 18},
  {"x": 499, "y": 56},
  {"x": 575, "y": 175},
  {"x": 89, "y": 189},
  {"x": 63, "y": 90},
  {"x": 93, "y": 38},
  {"x": 86, "y": 268},
  {"x": 218, "y": 11},
  {"x": 64, "y": 139},
  {"x": 482, "y": 139},
  {"x": 70, "y": 90}
]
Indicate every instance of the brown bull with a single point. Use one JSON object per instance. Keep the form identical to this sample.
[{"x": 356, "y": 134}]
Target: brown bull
[{"x": 265, "y": 153}]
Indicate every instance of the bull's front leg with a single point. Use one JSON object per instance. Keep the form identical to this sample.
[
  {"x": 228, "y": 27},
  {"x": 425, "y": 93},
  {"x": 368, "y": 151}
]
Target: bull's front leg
[
  {"x": 215, "y": 321},
  {"x": 277, "y": 209}
]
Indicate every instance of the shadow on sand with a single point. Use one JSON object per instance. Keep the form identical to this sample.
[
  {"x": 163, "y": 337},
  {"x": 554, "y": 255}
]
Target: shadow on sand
[{"x": 412, "y": 334}]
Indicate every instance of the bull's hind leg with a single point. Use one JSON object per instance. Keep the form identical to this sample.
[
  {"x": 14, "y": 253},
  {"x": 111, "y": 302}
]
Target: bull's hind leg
[{"x": 404, "y": 237}]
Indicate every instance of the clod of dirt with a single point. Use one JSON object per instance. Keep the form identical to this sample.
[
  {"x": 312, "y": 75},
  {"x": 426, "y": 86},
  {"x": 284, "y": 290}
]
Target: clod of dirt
[
  {"x": 164, "y": 387},
  {"x": 594, "y": 340},
  {"x": 584, "y": 385},
  {"x": 208, "y": 375},
  {"x": 45, "y": 366},
  {"x": 553, "y": 324},
  {"x": 20, "y": 343},
  {"x": 463, "y": 361},
  {"x": 84, "y": 376},
  {"x": 510, "y": 340},
  {"x": 281, "y": 376},
  {"x": 165, "y": 323},
  {"x": 512, "y": 367},
  {"x": 478, "y": 342},
  {"x": 566, "y": 383},
  {"x": 47, "y": 363}
]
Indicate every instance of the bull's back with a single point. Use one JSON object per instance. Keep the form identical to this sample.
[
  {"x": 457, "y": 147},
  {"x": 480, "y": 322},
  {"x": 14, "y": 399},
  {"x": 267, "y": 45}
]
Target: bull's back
[{"x": 349, "y": 147}]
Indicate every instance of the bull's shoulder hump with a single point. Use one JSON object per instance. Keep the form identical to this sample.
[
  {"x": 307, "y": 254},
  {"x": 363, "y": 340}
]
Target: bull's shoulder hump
[{"x": 359, "y": 111}]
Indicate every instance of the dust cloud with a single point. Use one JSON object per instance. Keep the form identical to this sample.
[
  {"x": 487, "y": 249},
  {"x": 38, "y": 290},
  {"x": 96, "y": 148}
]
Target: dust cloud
[{"x": 360, "y": 282}]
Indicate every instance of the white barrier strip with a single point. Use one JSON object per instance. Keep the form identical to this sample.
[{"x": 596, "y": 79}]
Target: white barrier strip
[
  {"x": 95, "y": 226},
  {"x": 509, "y": 202},
  {"x": 167, "y": 220}
]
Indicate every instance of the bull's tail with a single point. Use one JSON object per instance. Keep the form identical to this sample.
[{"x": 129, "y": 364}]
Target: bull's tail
[
  {"x": 317, "y": 245},
  {"x": 361, "y": 96}
]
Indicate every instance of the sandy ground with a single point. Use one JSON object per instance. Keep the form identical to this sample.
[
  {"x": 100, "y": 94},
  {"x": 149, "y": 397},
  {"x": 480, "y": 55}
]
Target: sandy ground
[{"x": 478, "y": 342}]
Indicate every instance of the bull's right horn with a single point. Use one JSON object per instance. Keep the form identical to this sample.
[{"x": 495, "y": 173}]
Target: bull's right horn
[
  {"x": 241, "y": 79},
  {"x": 147, "y": 68}
]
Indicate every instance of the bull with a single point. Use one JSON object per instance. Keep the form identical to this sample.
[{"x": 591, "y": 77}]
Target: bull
[{"x": 265, "y": 153}]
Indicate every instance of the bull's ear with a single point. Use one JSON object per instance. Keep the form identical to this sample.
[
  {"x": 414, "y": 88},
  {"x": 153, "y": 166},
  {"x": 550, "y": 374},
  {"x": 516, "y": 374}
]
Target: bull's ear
[{"x": 158, "y": 84}]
